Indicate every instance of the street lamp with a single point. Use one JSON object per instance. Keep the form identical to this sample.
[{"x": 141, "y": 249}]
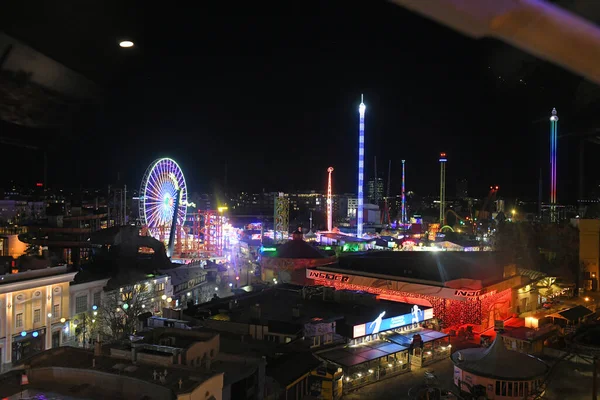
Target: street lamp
[{"x": 126, "y": 44}]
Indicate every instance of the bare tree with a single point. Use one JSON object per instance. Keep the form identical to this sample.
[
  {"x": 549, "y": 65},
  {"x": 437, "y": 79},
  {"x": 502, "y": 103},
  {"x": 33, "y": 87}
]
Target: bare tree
[{"x": 119, "y": 311}]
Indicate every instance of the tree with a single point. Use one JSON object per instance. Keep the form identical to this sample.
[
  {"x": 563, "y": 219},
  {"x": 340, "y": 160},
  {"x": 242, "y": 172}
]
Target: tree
[
  {"x": 88, "y": 328},
  {"x": 120, "y": 309}
]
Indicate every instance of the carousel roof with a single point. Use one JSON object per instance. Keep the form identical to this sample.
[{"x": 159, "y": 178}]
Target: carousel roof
[
  {"x": 310, "y": 235},
  {"x": 499, "y": 363}
]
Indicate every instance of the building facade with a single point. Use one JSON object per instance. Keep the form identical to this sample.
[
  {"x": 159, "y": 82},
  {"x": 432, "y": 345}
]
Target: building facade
[{"x": 34, "y": 307}]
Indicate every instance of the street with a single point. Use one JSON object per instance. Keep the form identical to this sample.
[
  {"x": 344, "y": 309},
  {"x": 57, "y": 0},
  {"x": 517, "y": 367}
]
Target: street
[
  {"x": 397, "y": 387},
  {"x": 239, "y": 267}
]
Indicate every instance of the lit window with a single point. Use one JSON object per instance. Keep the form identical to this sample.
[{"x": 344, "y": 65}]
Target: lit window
[{"x": 81, "y": 304}]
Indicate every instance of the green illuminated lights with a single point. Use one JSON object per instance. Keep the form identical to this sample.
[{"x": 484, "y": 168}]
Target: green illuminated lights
[{"x": 268, "y": 249}]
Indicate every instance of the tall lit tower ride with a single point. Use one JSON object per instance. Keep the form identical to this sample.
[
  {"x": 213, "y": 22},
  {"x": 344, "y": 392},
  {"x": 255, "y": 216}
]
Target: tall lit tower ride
[
  {"x": 553, "y": 152},
  {"x": 443, "y": 160},
  {"x": 403, "y": 215},
  {"x": 361, "y": 167},
  {"x": 329, "y": 202}
]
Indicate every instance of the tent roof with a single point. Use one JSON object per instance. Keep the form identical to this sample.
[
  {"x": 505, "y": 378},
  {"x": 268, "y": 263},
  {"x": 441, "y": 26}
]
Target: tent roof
[{"x": 499, "y": 363}]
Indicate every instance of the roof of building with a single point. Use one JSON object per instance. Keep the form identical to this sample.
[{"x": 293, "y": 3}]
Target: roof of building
[
  {"x": 576, "y": 313},
  {"x": 344, "y": 238},
  {"x": 297, "y": 249},
  {"x": 70, "y": 357},
  {"x": 184, "y": 273},
  {"x": 499, "y": 363},
  {"x": 287, "y": 369},
  {"x": 439, "y": 267},
  {"x": 350, "y": 356},
  {"x": 529, "y": 334},
  {"x": 182, "y": 338},
  {"x": 276, "y": 305},
  {"x": 36, "y": 274}
]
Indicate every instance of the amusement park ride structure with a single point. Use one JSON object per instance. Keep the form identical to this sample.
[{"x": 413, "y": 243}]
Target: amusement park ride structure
[{"x": 163, "y": 210}]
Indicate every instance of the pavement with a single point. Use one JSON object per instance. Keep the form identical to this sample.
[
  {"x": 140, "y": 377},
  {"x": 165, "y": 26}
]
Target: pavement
[{"x": 397, "y": 387}]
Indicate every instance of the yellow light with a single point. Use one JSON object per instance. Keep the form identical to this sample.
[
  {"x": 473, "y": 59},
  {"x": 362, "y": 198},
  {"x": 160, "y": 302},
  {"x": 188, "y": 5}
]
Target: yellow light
[
  {"x": 169, "y": 299},
  {"x": 224, "y": 208},
  {"x": 126, "y": 44},
  {"x": 164, "y": 297},
  {"x": 62, "y": 320},
  {"x": 587, "y": 299},
  {"x": 513, "y": 211}
]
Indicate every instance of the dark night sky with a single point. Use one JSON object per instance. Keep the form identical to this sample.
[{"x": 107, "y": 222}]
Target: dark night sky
[{"x": 272, "y": 93}]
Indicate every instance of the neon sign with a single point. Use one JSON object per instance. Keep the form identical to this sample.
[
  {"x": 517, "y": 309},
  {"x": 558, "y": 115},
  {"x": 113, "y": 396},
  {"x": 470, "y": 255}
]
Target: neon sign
[
  {"x": 312, "y": 274},
  {"x": 381, "y": 324},
  {"x": 467, "y": 293}
]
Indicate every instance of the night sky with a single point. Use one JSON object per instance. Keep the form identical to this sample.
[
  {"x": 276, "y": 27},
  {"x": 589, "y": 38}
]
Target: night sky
[{"x": 270, "y": 95}]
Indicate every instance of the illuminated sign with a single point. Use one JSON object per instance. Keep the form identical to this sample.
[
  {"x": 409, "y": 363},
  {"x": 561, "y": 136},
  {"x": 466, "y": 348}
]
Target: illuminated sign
[
  {"x": 467, "y": 293},
  {"x": 381, "y": 324},
  {"x": 267, "y": 249},
  {"x": 312, "y": 274}
]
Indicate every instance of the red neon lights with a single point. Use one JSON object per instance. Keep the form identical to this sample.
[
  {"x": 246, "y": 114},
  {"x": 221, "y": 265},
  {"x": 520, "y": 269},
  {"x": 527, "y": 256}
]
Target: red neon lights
[{"x": 483, "y": 309}]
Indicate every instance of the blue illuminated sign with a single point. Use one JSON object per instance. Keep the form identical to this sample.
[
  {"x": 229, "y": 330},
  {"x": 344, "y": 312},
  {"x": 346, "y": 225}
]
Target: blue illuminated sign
[{"x": 381, "y": 324}]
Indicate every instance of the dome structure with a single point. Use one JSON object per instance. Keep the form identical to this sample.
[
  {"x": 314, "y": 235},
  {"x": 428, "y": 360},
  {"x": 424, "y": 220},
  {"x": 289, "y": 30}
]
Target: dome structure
[
  {"x": 288, "y": 263},
  {"x": 502, "y": 372}
]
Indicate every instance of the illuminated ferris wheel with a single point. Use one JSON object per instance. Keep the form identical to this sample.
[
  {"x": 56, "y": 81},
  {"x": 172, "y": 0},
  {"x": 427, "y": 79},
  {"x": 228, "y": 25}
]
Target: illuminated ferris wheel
[{"x": 161, "y": 185}]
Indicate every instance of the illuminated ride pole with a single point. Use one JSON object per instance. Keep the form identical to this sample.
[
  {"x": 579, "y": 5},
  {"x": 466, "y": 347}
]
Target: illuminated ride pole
[
  {"x": 361, "y": 167},
  {"x": 553, "y": 153},
  {"x": 329, "y": 202},
  {"x": 443, "y": 160},
  {"x": 403, "y": 215}
]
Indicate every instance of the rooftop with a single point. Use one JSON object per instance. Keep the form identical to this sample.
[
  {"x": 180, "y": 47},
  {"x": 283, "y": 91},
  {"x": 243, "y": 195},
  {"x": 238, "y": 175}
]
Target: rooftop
[
  {"x": 184, "y": 273},
  {"x": 295, "y": 249},
  {"x": 36, "y": 274},
  {"x": 276, "y": 304},
  {"x": 498, "y": 362},
  {"x": 435, "y": 267},
  {"x": 288, "y": 369},
  {"x": 69, "y": 357},
  {"x": 182, "y": 338}
]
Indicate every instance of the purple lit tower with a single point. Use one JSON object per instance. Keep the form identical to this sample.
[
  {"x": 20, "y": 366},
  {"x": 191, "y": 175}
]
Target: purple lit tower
[
  {"x": 361, "y": 167},
  {"x": 403, "y": 219}
]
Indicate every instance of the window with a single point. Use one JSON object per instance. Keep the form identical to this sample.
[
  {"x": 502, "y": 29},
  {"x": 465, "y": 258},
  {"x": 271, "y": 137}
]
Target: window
[
  {"x": 19, "y": 323},
  {"x": 510, "y": 393},
  {"x": 37, "y": 316},
  {"x": 81, "y": 304},
  {"x": 498, "y": 388},
  {"x": 97, "y": 299},
  {"x": 521, "y": 389},
  {"x": 526, "y": 389},
  {"x": 56, "y": 311},
  {"x": 160, "y": 287}
]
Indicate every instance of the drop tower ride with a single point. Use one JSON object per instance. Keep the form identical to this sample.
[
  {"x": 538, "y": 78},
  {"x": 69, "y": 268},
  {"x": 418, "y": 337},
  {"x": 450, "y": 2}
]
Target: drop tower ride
[{"x": 361, "y": 167}]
